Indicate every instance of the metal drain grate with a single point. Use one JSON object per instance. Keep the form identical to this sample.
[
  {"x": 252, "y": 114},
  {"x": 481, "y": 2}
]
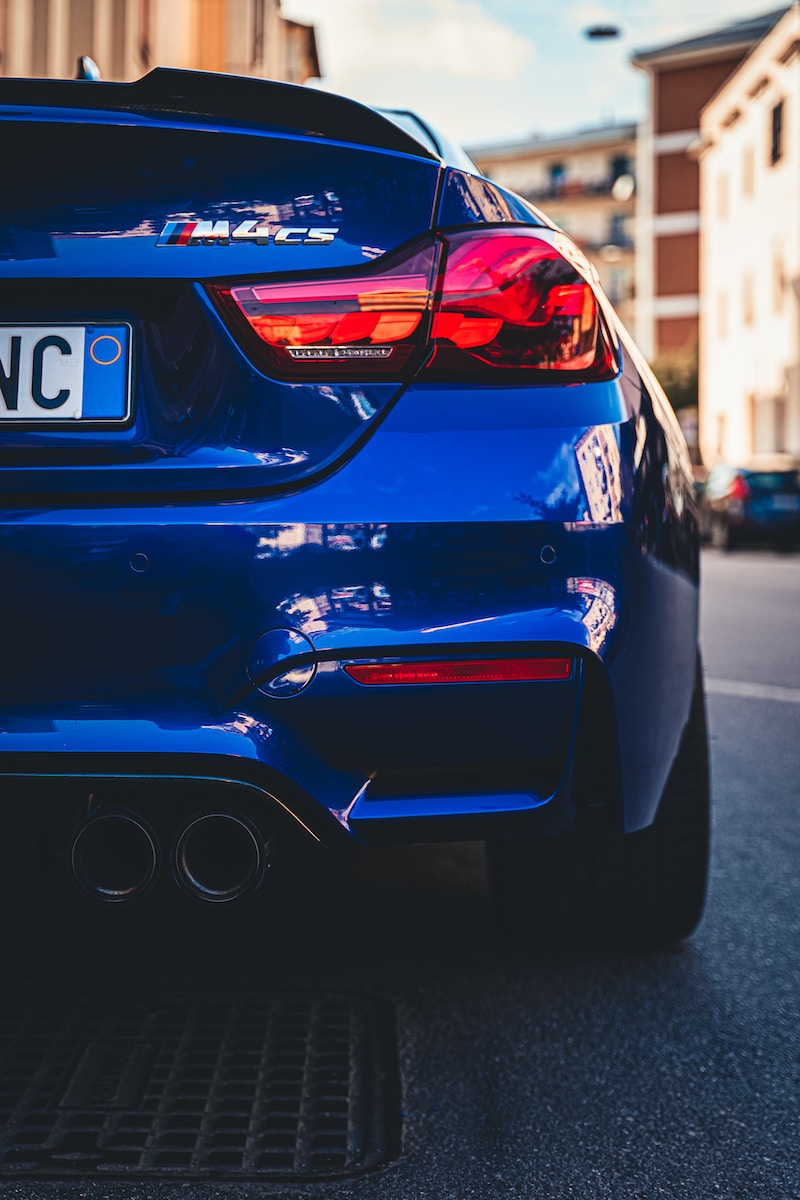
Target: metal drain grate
[{"x": 259, "y": 1086}]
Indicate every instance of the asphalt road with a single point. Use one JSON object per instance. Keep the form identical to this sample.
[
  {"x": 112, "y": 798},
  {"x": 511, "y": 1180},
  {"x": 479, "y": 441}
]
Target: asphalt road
[{"x": 673, "y": 1074}]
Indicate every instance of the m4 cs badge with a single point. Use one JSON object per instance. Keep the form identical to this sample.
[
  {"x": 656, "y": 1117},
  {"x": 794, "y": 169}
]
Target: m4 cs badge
[{"x": 224, "y": 233}]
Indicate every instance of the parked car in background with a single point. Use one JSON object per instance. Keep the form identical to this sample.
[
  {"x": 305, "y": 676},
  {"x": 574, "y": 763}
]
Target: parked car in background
[
  {"x": 336, "y": 507},
  {"x": 751, "y": 504}
]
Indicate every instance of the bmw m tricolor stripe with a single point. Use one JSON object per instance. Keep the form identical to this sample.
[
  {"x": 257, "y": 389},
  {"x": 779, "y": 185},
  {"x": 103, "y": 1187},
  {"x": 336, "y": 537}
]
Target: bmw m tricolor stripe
[{"x": 222, "y": 233}]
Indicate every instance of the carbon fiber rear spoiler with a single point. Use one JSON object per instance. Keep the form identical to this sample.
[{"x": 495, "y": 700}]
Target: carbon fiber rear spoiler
[{"x": 165, "y": 92}]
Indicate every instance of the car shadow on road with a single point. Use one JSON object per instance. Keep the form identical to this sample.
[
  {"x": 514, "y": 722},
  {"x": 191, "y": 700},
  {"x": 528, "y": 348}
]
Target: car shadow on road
[{"x": 359, "y": 919}]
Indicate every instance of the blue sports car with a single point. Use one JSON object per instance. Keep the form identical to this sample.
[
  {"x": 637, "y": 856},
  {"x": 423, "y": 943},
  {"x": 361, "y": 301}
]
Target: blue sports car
[{"x": 336, "y": 507}]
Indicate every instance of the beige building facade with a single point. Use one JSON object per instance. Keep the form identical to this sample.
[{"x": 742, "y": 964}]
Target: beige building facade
[
  {"x": 585, "y": 182},
  {"x": 749, "y": 159},
  {"x": 127, "y": 38},
  {"x": 682, "y": 78}
]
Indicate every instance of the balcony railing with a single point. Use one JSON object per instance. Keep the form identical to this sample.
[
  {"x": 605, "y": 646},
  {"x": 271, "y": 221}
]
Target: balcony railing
[
  {"x": 608, "y": 244},
  {"x": 567, "y": 189}
]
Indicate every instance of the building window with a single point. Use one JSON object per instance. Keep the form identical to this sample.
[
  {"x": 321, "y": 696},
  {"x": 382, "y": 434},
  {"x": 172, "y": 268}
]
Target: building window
[
  {"x": 616, "y": 286},
  {"x": 145, "y": 33},
  {"x": 620, "y": 165},
  {"x": 722, "y": 315},
  {"x": 3, "y": 36},
  {"x": 748, "y": 306},
  {"x": 118, "y": 31},
  {"x": 779, "y": 419},
  {"x": 768, "y": 424},
  {"x": 210, "y": 34},
  {"x": 616, "y": 230},
  {"x": 557, "y": 174},
  {"x": 748, "y": 172},
  {"x": 763, "y": 425},
  {"x": 257, "y": 54},
  {"x": 778, "y": 279},
  {"x": 776, "y": 150},
  {"x": 41, "y": 27},
  {"x": 722, "y": 197},
  {"x": 81, "y": 30}
]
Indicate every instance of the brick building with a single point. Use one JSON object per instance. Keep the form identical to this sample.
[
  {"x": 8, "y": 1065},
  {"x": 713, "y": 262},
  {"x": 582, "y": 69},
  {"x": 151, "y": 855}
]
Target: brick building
[
  {"x": 128, "y": 37},
  {"x": 683, "y": 76}
]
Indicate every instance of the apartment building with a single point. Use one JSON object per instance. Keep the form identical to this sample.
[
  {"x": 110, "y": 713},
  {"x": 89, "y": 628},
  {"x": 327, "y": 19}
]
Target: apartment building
[
  {"x": 585, "y": 182},
  {"x": 126, "y": 38},
  {"x": 749, "y": 162},
  {"x": 683, "y": 76}
]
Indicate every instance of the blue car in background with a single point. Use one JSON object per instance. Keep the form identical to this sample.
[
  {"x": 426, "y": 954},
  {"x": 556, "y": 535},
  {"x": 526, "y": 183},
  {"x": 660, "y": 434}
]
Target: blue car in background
[
  {"x": 337, "y": 508},
  {"x": 755, "y": 504}
]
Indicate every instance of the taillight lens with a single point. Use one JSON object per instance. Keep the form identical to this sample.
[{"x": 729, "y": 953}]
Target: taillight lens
[
  {"x": 511, "y": 300},
  {"x": 739, "y": 489},
  {"x": 372, "y": 325},
  {"x": 472, "y": 303},
  {"x": 469, "y": 670}
]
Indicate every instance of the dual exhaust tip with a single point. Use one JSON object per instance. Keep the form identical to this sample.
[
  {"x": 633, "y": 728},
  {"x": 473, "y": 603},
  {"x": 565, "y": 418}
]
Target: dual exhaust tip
[{"x": 216, "y": 857}]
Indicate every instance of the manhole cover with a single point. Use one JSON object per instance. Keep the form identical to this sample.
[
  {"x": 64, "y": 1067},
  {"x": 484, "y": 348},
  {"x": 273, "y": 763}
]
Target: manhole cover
[{"x": 253, "y": 1086}]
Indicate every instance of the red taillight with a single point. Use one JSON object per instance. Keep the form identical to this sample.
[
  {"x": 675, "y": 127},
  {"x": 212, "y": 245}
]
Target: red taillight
[
  {"x": 481, "y": 300},
  {"x": 470, "y": 670},
  {"x": 739, "y": 489},
  {"x": 510, "y": 300},
  {"x": 371, "y": 325}
]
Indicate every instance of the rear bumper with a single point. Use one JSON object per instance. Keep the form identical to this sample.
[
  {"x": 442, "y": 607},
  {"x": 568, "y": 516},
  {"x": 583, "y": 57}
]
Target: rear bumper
[
  {"x": 156, "y": 679},
  {"x": 156, "y": 640},
  {"x": 395, "y": 791}
]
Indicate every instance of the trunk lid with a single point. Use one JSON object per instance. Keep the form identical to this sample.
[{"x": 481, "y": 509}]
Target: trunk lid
[{"x": 130, "y": 201}]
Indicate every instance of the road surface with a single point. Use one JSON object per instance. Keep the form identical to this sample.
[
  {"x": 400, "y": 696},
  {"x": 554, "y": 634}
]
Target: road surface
[{"x": 673, "y": 1074}]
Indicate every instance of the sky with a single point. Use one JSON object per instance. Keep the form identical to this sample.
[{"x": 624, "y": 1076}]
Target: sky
[{"x": 493, "y": 71}]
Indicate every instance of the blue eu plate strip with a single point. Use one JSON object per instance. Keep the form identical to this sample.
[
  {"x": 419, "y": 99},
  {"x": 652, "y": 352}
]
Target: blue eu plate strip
[{"x": 106, "y": 372}]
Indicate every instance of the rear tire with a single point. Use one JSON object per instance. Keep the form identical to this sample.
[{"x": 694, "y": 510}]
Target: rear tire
[{"x": 600, "y": 891}]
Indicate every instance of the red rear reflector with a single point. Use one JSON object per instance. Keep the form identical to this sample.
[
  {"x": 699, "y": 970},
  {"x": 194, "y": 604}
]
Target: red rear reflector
[
  {"x": 371, "y": 325},
  {"x": 471, "y": 670},
  {"x": 510, "y": 300}
]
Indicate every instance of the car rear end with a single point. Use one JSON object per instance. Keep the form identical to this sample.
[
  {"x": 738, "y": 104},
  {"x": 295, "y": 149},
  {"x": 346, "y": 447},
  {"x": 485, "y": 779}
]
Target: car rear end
[
  {"x": 753, "y": 504},
  {"x": 332, "y": 505}
]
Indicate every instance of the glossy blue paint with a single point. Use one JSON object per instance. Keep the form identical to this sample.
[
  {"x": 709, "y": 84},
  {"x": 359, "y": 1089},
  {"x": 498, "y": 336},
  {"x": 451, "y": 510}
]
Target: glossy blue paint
[
  {"x": 240, "y": 530},
  {"x": 177, "y": 639},
  {"x": 281, "y": 663},
  {"x": 467, "y": 198},
  {"x": 103, "y": 221}
]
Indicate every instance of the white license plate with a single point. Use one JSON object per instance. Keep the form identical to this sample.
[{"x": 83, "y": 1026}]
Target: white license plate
[
  {"x": 785, "y": 503},
  {"x": 58, "y": 373}
]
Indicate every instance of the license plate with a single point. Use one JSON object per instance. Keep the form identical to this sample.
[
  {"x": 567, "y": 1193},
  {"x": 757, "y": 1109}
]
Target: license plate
[
  {"x": 785, "y": 503},
  {"x": 58, "y": 373}
]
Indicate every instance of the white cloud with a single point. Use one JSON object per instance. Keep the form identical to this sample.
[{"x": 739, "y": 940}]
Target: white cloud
[
  {"x": 452, "y": 61},
  {"x": 455, "y": 38}
]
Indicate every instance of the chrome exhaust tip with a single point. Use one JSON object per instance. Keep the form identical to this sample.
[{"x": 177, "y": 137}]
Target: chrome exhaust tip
[
  {"x": 114, "y": 857},
  {"x": 219, "y": 857}
]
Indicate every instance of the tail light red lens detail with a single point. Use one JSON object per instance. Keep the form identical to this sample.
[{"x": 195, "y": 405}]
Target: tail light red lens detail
[
  {"x": 739, "y": 489},
  {"x": 473, "y": 303},
  {"x": 372, "y": 325},
  {"x": 510, "y": 300},
  {"x": 470, "y": 670}
]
